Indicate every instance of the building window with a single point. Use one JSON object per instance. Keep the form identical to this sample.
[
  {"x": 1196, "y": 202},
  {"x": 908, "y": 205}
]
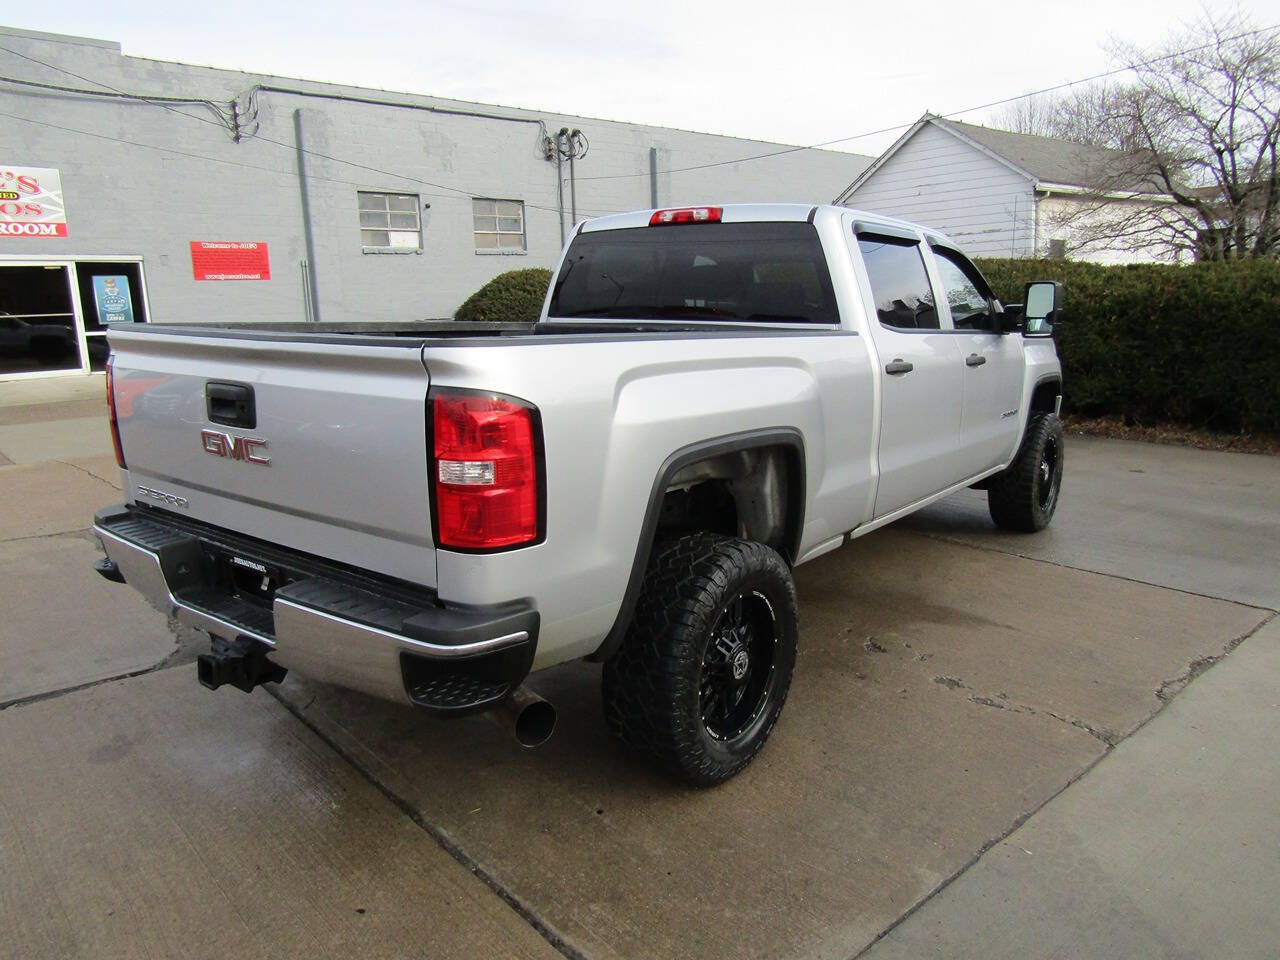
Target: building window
[
  {"x": 499, "y": 225},
  {"x": 390, "y": 221},
  {"x": 1057, "y": 249}
]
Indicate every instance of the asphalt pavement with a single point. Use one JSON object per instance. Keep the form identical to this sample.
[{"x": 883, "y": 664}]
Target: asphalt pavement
[{"x": 988, "y": 751}]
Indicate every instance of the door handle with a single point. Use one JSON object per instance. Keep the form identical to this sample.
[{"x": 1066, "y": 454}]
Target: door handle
[
  {"x": 898, "y": 366},
  {"x": 974, "y": 360}
]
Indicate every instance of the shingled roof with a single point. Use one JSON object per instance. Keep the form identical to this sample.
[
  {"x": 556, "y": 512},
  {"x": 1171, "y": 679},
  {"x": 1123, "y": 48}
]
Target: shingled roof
[{"x": 1049, "y": 160}]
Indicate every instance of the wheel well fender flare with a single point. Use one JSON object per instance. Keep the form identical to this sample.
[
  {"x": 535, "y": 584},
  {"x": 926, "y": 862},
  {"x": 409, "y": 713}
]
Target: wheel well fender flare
[
  {"x": 789, "y": 439},
  {"x": 1041, "y": 385}
]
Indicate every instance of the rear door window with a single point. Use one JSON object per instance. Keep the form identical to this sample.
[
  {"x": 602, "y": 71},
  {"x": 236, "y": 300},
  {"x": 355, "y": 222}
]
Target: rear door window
[
  {"x": 738, "y": 272},
  {"x": 899, "y": 283}
]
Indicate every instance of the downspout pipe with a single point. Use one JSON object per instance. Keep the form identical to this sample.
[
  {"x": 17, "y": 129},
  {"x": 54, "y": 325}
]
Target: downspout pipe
[
  {"x": 573, "y": 193},
  {"x": 312, "y": 287},
  {"x": 653, "y": 177},
  {"x": 565, "y": 148},
  {"x": 1035, "y": 232},
  {"x": 560, "y": 188}
]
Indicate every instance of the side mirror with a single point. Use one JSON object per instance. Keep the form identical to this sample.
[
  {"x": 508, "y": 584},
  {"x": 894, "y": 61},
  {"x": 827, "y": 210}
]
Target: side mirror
[
  {"x": 1009, "y": 318},
  {"x": 1043, "y": 306}
]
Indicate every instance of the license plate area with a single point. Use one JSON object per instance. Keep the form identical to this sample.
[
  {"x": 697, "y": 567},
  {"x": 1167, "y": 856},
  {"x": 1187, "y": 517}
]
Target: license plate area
[{"x": 248, "y": 578}]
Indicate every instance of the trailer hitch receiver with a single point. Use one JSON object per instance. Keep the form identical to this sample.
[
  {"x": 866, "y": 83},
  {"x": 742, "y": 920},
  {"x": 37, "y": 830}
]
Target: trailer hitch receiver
[{"x": 241, "y": 662}]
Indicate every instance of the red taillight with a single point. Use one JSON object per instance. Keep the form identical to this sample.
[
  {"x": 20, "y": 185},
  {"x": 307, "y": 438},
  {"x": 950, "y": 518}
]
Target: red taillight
[
  {"x": 111, "y": 411},
  {"x": 485, "y": 471},
  {"x": 685, "y": 215}
]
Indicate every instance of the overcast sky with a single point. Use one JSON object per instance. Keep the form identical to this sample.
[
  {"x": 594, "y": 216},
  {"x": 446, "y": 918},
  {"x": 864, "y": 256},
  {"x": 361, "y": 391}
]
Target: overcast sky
[{"x": 793, "y": 72}]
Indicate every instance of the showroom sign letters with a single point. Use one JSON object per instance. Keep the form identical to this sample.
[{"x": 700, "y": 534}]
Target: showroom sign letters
[{"x": 31, "y": 203}]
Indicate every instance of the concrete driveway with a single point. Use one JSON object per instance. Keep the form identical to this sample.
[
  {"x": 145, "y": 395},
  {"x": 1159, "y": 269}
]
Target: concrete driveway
[{"x": 950, "y": 685}]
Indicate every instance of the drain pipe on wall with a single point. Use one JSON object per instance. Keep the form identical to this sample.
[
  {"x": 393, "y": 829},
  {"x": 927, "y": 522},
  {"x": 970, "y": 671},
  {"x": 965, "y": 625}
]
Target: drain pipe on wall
[
  {"x": 311, "y": 297},
  {"x": 653, "y": 177},
  {"x": 573, "y": 192},
  {"x": 560, "y": 182}
]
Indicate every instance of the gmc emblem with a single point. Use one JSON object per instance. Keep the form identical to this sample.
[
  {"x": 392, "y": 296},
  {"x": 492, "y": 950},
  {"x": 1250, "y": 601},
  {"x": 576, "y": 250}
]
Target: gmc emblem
[{"x": 219, "y": 444}]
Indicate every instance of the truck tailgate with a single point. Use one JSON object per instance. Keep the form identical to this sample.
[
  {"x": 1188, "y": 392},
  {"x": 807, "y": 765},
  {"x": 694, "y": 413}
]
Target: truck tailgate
[{"x": 329, "y": 458}]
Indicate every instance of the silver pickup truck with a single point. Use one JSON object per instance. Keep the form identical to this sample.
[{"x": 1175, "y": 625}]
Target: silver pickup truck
[{"x": 712, "y": 396}]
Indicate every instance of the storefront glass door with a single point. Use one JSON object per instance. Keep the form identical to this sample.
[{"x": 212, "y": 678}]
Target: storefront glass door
[
  {"x": 38, "y": 328},
  {"x": 109, "y": 293}
]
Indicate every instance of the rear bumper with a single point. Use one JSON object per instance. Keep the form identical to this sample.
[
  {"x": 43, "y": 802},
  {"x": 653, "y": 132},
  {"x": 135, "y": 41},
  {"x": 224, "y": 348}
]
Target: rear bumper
[{"x": 344, "y": 627}]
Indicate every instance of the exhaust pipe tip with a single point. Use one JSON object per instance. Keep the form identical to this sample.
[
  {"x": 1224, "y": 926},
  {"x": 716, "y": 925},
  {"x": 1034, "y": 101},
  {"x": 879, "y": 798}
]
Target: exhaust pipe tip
[
  {"x": 535, "y": 724},
  {"x": 532, "y": 719}
]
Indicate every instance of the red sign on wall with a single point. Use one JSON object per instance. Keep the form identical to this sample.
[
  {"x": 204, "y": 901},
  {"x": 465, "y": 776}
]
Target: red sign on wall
[{"x": 230, "y": 260}]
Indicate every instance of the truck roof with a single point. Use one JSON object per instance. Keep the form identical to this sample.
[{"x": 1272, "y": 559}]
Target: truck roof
[{"x": 757, "y": 213}]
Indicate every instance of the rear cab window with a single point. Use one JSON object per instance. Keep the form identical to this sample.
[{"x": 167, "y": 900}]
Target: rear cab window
[{"x": 764, "y": 272}]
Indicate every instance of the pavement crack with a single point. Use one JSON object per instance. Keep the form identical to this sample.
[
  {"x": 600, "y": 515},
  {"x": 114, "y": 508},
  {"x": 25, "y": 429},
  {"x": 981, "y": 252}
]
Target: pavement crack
[
  {"x": 182, "y": 653},
  {"x": 447, "y": 843},
  {"x": 1171, "y": 688},
  {"x": 942, "y": 537},
  {"x": 76, "y": 688},
  {"x": 1109, "y": 737},
  {"x": 88, "y": 473},
  {"x": 84, "y": 533},
  {"x": 1002, "y": 702}
]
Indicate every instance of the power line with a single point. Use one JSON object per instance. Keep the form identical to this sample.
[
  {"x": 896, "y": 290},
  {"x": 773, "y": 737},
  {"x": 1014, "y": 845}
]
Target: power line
[
  {"x": 953, "y": 113},
  {"x": 460, "y": 192},
  {"x": 163, "y": 102},
  {"x": 252, "y": 166},
  {"x": 258, "y": 136}
]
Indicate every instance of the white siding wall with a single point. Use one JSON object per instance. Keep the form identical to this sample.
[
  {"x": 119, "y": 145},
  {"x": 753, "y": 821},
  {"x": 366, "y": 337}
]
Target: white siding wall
[
  {"x": 940, "y": 181},
  {"x": 1085, "y": 227}
]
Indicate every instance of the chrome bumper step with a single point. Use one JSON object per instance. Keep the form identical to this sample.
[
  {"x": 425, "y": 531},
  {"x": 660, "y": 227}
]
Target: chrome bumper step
[{"x": 339, "y": 632}]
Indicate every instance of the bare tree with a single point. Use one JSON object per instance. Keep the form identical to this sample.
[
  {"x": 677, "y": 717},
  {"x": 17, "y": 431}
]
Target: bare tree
[
  {"x": 1196, "y": 141},
  {"x": 1038, "y": 114},
  {"x": 1084, "y": 114}
]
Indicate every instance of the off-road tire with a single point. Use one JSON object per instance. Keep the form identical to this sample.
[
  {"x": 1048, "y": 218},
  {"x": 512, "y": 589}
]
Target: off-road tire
[
  {"x": 656, "y": 685},
  {"x": 1024, "y": 496}
]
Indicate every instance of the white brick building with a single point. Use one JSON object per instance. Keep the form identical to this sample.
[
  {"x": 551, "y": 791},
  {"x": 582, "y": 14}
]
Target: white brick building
[{"x": 389, "y": 206}]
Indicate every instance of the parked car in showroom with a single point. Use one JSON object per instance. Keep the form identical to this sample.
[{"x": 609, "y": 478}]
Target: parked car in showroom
[{"x": 46, "y": 343}]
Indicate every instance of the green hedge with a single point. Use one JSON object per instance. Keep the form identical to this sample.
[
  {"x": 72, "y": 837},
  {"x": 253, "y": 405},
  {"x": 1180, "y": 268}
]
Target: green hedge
[
  {"x": 516, "y": 295},
  {"x": 1154, "y": 343}
]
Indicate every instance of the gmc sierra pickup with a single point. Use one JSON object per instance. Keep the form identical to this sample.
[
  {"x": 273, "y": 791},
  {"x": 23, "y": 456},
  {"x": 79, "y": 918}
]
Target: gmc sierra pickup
[{"x": 711, "y": 396}]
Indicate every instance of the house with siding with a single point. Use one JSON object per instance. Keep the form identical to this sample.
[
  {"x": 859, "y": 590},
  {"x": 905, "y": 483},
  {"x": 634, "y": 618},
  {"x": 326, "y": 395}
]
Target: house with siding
[{"x": 1003, "y": 194}]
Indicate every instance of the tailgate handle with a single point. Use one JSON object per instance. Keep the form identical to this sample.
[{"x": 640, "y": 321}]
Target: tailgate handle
[{"x": 230, "y": 404}]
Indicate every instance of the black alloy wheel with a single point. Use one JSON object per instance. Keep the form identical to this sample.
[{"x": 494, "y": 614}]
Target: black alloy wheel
[
  {"x": 704, "y": 670},
  {"x": 738, "y": 667},
  {"x": 1024, "y": 496}
]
